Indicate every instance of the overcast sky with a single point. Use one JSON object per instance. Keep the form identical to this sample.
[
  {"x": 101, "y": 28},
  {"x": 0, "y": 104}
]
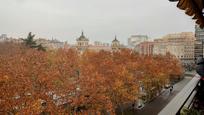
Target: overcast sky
[{"x": 100, "y": 20}]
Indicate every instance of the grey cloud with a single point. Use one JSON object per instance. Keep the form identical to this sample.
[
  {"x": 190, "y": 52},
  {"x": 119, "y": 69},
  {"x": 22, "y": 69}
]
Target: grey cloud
[{"x": 100, "y": 19}]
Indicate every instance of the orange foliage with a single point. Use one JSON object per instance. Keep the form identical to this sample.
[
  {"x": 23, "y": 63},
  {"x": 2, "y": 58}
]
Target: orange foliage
[{"x": 61, "y": 81}]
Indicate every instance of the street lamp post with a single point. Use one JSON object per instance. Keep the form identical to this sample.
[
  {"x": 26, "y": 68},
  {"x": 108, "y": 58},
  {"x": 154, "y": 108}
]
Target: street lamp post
[{"x": 202, "y": 47}]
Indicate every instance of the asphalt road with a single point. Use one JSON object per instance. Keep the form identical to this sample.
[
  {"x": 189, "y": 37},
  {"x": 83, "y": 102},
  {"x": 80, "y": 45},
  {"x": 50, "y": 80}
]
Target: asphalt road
[{"x": 154, "y": 107}]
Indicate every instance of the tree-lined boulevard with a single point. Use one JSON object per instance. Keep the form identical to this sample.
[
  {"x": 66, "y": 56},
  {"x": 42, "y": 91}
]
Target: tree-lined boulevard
[
  {"x": 66, "y": 81},
  {"x": 156, "y": 105}
]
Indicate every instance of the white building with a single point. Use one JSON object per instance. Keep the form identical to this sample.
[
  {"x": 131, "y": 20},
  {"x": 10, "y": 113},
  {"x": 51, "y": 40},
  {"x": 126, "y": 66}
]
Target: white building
[
  {"x": 181, "y": 45},
  {"x": 98, "y": 43},
  {"x": 50, "y": 44},
  {"x": 136, "y": 39},
  {"x": 3, "y": 37}
]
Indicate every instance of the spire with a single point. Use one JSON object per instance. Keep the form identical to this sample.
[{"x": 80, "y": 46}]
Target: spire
[
  {"x": 82, "y": 33},
  {"x": 115, "y": 40}
]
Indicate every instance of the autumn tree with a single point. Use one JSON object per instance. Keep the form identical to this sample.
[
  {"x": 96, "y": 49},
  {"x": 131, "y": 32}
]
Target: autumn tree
[
  {"x": 158, "y": 71},
  {"x": 106, "y": 80},
  {"x": 64, "y": 81},
  {"x": 37, "y": 82}
]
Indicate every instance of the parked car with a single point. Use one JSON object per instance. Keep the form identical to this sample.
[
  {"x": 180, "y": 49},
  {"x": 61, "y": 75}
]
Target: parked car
[
  {"x": 167, "y": 86},
  {"x": 140, "y": 106}
]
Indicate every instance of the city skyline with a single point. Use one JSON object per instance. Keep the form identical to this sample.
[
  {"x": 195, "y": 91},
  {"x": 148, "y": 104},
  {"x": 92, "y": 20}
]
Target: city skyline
[{"x": 100, "y": 20}]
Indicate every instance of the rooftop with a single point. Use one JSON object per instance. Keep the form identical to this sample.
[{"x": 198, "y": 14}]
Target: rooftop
[
  {"x": 82, "y": 37},
  {"x": 115, "y": 40}
]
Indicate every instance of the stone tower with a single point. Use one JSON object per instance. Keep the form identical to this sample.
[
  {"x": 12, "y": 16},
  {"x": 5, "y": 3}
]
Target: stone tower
[
  {"x": 115, "y": 44},
  {"x": 82, "y": 42}
]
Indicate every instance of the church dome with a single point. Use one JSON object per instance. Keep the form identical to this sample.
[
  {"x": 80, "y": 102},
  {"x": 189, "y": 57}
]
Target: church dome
[{"x": 82, "y": 37}]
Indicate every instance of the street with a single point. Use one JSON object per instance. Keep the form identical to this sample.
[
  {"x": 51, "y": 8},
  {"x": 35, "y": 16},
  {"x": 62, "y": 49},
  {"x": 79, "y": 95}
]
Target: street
[{"x": 154, "y": 107}]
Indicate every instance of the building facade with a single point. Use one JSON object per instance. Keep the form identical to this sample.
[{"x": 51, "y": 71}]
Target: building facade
[
  {"x": 50, "y": 44},
  {"x": 199, "y": 33},
  {"x": 3, "y": 37},
  {"x": 115, "y": 44},
  {"x": 98, "y": 48},
  {"x": 82, "y": 43},
  {"x": 181, "y": 45},
  {"x": 199, "y": 43},
  {"x": 97, "y": 43},
  {"x": 136, "y": 39},
  {"x": 145, "y": 48}
]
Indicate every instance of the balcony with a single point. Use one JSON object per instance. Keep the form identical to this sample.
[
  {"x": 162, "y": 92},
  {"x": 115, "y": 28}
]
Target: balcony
[{"x": 187, "y": 98}]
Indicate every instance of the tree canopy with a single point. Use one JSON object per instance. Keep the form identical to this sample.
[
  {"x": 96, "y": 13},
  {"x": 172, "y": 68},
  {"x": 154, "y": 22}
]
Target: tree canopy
[
  {"x": 31, "y": 43},
  {"x": 63, "y": 81}
]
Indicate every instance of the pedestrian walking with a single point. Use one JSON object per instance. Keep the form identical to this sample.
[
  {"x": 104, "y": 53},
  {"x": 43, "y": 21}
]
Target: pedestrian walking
[{"x": 171, "y": 88}]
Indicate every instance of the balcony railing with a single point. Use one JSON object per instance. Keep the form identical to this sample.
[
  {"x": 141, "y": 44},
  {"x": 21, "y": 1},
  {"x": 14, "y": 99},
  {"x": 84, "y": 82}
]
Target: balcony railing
[{"x": 183, "y": 99}]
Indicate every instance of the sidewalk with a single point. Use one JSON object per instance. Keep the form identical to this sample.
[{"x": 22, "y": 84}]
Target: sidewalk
[
  {"x": 154, "y": 107},
  {"x": 192, "y": 73}
]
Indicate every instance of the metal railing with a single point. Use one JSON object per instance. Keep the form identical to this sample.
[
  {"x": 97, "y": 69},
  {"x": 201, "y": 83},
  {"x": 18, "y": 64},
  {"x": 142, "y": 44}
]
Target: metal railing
[{"x": 183, "y": 99}]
